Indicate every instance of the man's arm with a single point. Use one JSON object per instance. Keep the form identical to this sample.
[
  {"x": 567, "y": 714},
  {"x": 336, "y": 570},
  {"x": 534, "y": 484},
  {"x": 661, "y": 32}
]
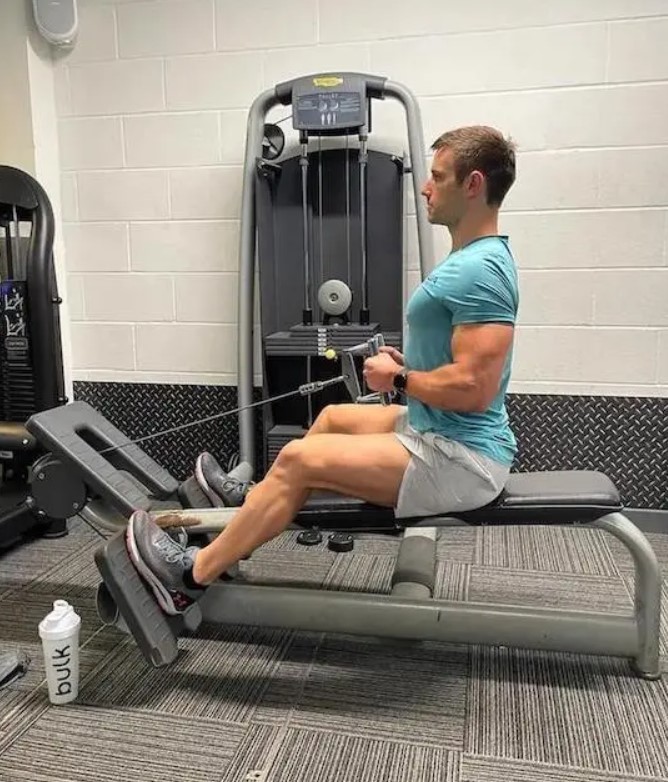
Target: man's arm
[{"x": 471, "y": 382}]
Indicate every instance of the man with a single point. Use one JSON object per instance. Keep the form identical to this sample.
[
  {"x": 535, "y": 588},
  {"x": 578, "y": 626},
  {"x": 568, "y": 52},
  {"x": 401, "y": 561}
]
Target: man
[{"x": 449, "y": 449}]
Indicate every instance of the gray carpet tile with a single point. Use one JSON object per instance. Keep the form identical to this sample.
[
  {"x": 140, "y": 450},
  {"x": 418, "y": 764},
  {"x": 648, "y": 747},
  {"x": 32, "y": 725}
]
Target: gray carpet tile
[
  {"x": 531, "y": 588},
  {"x": 254, "y": 755},
  {"x": 548, "y": 549},
  {"x": 381, "y": 545},
  {"x": 21, "y": 612},
  {"x": 306, "y": 567},
  {"x": 457, "y": 544},
  {"x": 287, "y": 541},
  {"x": 287, "y": 683},
  {"x": 263, "y": 705},
  {"x": 624, "y": 560},
  {"x": 21, "y": 564},
  {"x": 482, "y": 769},
  {"x": 35, "y": 574},
  {"x": 365, "y": 543},
  {"x": 77, "y": 574},
  {"x": 26, "y": 698},
  {"x": 93, "y": 648},
  {"x": 328, "y": 757},
  {"x": 568, "y": 710},
  {"x": 220, "y": 674},
  {"x": 361, "y": 573},
  {"x": 452, "y": 580},
  {"x": 83, "y": 744},
  {"x": 26, "y": 709},
  {"x": 401, "y": 691}
]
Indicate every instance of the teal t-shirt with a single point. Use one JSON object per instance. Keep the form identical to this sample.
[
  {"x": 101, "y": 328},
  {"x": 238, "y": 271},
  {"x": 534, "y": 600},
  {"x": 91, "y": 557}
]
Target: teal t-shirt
[{"x": 475, "y": 284}]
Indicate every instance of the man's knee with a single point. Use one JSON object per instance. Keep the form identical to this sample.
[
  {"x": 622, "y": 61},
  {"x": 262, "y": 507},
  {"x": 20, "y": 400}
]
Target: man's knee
[
  {"x": 298, "y": 460},
  {"x": 327, "y": 420},
  {"x": 291, "y": 457},
  {"x": 337, "y": 418},
  {"x": 324, "y": 418}
]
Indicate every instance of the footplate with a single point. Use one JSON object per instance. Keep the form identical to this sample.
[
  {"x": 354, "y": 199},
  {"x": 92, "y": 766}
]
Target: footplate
[
  {"x": 124, "y": 600},
  {"x": 108, "y": 462}
]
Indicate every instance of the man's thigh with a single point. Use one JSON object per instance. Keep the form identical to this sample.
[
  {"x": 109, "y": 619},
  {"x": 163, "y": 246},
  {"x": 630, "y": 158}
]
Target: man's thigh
[
  {"x": 367, "y": 466},
  {"x": 359, "y": 419}
]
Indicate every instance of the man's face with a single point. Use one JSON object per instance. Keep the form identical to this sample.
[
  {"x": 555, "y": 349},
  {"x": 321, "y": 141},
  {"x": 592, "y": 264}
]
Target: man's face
[{"x": 446, "y": 199}]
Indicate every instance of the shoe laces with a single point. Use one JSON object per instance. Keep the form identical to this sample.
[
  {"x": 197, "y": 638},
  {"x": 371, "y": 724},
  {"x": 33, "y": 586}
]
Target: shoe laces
[
  {"x": 180, "y": 535},
  {"x": 172, "y": 550},
  {"x": 232, "y": 484}
]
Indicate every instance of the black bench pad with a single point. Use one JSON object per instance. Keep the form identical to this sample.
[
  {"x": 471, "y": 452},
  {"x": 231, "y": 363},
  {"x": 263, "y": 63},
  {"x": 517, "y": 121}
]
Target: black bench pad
[{"x": 555, "y": 497}]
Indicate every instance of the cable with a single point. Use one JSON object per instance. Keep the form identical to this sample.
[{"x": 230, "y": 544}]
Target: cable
[{"x": 303, "y": 390}]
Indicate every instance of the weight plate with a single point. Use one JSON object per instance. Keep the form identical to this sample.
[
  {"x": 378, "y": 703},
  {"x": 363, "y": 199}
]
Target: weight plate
[
  {"x": 309, "y": 537},
  {"x": 334, "y": 297},
  {"x": 273, "y": 141},
  {"x": 340, "y": 542}
]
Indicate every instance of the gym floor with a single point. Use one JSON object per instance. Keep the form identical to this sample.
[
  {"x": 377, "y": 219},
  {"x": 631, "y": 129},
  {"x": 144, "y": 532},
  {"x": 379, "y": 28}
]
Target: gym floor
[{"x": 258, "y": 704}]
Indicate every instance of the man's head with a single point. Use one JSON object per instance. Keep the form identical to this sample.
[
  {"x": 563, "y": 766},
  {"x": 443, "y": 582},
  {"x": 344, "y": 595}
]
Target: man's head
[{"x": 472, "y": 169}]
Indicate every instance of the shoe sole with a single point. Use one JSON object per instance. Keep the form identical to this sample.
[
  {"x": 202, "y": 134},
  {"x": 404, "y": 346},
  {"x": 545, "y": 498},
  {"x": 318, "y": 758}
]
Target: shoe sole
[
  {"x": 161, "y": 593},
  {"x": 213, "y": 498}
]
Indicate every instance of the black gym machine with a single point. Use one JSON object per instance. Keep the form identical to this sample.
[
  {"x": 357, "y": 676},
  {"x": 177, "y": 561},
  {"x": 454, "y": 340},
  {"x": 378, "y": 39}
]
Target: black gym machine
[
  {"x": 327, "y": 220},
  {"x": 31, "y": 368}
]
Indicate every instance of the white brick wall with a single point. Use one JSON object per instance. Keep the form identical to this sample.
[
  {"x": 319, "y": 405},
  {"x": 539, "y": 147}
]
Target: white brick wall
[{"x": 152, "y": 108}]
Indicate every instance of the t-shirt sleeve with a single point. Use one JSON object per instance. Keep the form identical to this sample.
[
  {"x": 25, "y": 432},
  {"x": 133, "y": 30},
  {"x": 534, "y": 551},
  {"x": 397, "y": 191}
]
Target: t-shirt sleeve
[{"x": 479, "y": 292}]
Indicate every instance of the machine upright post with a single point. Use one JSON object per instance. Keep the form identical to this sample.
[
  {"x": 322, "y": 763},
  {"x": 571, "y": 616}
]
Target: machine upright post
[
  {"x": 254, "y": 134},
  {"x": 307, "y": 313},
  {"x": 363, "y": 159}
]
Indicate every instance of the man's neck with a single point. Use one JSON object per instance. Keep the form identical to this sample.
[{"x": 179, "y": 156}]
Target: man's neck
[{"x": 475, "y": 227}]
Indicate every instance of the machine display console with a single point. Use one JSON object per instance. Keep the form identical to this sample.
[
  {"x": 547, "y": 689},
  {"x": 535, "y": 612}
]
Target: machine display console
[{"x": 329, "y": 111}]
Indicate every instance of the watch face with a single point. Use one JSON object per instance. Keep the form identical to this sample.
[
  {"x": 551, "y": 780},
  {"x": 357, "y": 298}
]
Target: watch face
[{"x": 400, "y": 381}]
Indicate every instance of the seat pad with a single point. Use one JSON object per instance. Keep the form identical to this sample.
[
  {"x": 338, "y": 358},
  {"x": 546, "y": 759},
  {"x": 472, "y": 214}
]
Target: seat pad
[{"x": 554, "y": 497}]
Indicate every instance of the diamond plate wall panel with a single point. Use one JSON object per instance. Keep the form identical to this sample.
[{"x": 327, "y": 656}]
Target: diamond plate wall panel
[
  {"x": 140, "y": 409},
  {"x": 625, "y": 437}
]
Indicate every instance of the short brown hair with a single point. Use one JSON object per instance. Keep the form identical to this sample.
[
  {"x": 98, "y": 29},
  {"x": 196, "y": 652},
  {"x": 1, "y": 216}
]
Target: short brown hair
[{"x": 484, "y": 149}]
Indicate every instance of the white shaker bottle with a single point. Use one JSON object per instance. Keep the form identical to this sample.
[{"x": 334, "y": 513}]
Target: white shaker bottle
[{"x": 59, "y": 631}]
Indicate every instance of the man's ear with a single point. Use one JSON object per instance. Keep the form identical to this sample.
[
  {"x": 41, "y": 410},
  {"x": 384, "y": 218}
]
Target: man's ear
[{"x": 475, "y": 184}]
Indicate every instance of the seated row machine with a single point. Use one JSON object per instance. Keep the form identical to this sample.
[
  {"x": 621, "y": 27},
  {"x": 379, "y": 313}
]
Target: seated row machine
[
  {"x": 111, "y": 486},
  {"x": 96, "y": 469}
]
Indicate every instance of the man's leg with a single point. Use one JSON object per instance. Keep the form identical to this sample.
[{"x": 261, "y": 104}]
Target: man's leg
[
  {"x": 368, "y": 466},
  {"x": 222, "y": 489},
  {"x": 356, "y": 419},
  {"x": 362, "y": 459}
]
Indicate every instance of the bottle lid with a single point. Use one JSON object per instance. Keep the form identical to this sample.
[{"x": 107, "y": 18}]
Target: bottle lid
[{"x": 59, "y": 623}]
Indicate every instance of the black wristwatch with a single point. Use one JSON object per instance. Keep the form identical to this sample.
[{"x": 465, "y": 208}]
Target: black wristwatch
[{"x": 400, "y": 380}]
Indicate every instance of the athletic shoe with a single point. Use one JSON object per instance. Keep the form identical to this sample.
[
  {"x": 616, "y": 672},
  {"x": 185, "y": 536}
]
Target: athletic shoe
[
  {"x": 161, "y": 561},
  {"x": 222, "y": 488}
]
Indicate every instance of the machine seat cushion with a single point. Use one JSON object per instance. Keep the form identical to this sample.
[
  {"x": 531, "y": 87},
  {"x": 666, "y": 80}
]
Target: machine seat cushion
[{"x": 555, "y": 497}]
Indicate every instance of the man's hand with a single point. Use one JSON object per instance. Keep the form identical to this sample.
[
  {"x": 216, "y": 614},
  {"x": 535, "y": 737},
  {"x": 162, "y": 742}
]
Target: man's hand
[
  {"x": 395, "y": 355},
  {"x": 379, "y": 372}
]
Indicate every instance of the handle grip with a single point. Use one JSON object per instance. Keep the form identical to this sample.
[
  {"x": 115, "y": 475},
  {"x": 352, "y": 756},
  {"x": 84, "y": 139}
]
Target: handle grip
[{"x": 375, "y": 344}]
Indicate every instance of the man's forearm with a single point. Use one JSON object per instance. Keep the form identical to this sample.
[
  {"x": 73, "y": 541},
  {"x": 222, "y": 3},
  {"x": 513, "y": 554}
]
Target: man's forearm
[{"x": 450, "y": 387}]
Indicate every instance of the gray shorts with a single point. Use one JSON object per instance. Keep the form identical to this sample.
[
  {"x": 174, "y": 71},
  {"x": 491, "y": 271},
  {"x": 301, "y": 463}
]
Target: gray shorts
[{"x": 444, "y": 476}]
